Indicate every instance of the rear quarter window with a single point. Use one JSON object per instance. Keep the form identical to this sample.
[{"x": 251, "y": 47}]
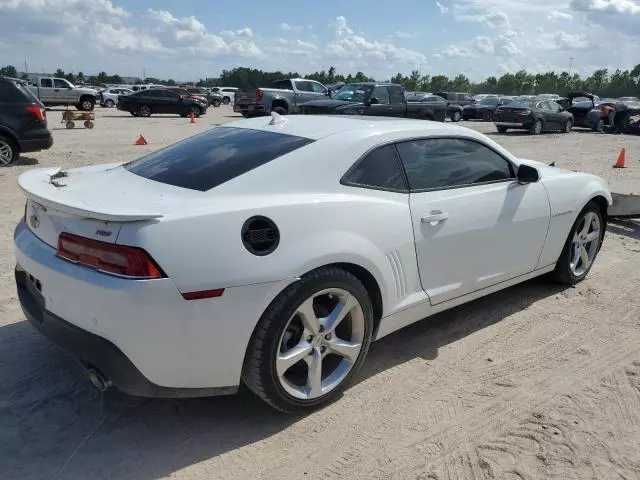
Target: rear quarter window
[{"x": 214, "y": 157}]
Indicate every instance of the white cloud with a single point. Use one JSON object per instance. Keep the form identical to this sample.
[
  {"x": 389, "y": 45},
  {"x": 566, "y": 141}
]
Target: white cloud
[
  {"x": 491, "y": 19},
  {"x": 291, "y": 28},
  {"x": 558, "y": 15},
  {"x": 631, "y": 7},
  {"x": 242, "y": 33},
  {"x": 442, "y": 8},
  {"x": 349, "y": 45}
]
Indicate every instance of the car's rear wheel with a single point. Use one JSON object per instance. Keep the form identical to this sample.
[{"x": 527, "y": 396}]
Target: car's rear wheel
[
  {"x": 144, "y": 111},
  {"x": 582, "y": 246},
  {"x": 279, "y": 110},
  {"x": 109, "y": 103},
  {"x": 9, "y": 152},
  {"x": 502, "y": 129},
  {"x": 567, "y": 126},
  {"x": 455, "y": 116},
  {"x": 226, "y": 100},
  {"x": 310, "y": 341},
  {"x": 216, "y": 102},
  {"x": 536, "y": 128}
]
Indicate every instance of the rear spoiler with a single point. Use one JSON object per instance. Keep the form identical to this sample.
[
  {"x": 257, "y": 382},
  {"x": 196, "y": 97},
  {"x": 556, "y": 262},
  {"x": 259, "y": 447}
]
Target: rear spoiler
[{"x": 46, "y": 186}]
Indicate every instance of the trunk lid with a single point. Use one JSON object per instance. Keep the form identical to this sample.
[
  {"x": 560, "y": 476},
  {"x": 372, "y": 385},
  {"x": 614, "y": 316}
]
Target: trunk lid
[
  {"x": 93, "y": 202},
  {"x": 510, "y": 114}
]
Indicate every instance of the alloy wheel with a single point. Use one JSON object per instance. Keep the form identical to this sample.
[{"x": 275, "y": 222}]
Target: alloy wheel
[
  {"x": 87, "y": 105},
  {"x": 320, "y": 344},
  {"x": 584, "y": 247},
  {"x": 6, "y": 153},
  {"x": 145, "y": 111}
]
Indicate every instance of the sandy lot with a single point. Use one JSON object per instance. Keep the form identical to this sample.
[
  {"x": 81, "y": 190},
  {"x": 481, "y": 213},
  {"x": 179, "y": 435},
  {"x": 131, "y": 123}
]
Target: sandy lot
[{"x": 535, "y": 382}]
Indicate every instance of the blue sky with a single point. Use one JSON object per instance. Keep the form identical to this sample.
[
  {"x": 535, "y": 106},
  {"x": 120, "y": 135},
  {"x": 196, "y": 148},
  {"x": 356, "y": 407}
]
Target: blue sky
[{"x": 191, "y": 38}]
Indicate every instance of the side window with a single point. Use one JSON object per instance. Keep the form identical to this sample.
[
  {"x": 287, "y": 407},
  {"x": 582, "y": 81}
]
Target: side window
[
  {"x": 317, "y": 88},
  {"x": 46, "y": 82},
  {"x": 468, "y": 98},
  {"x": 380, "y": 169},
  {"x": 382, "y": 94},
  {"x": 57, "y": 83},
  {"x": 542, "y": 106},
  {"x": 304, "y": 86},
  {"x": 155, "y": 93},
  {"x": 555, "y": 106},
  {"x": 451, "y": 162},
  {"x": 397, "y": 95}
]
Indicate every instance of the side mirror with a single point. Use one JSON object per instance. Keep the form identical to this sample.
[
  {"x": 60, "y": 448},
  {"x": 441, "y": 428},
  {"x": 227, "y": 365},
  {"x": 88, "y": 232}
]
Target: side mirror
[
  {"x": 527, "y": 174},
  {"x": 560, "y": 109},
  {"x": 374, "y": 101}
]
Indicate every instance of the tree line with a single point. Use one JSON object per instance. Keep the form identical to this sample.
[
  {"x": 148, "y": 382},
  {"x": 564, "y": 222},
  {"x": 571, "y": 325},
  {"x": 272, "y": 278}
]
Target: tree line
[{"x": 601, "y": 82}]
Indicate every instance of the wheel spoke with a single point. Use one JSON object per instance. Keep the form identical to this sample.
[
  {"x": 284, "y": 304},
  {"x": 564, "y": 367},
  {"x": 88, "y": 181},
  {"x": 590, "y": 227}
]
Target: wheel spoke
[
  {"x": 587, "y": 224},
  {"x": 577, "y": 248},
  {"x": 314, "y": 374},
  {"x": 308, "y": 317},
  {"x": 289, "y": 358},
  {"x": 340, "y": 311},
  {"x": 592, "y": 236},
  {"x": 584, "y": 256},
  {"x": 348, "y": 350}
]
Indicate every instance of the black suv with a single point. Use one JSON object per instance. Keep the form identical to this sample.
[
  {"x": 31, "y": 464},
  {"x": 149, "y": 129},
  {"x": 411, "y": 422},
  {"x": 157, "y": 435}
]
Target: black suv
[{"x": 23, "y": 121}]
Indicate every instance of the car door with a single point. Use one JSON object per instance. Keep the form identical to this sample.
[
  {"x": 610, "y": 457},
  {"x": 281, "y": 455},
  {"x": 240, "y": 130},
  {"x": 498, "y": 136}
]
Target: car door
[
  {"x": 548, "y": 116},
  {"x": 559, "y": 114},
  {"x": 63, "y": 91},
  {"x": 46, "y": 90},
  {"x": 304, "y": 92},
  {"x": 474, "y": 224},
  {"x": 397, "y": 102},
  {"x": 379, "y": 102},
  {"x": 170, "y": 102}
]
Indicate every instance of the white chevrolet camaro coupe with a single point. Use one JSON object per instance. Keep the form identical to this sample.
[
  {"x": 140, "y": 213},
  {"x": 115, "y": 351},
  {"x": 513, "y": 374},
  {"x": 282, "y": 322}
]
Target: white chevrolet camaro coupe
[{"x": 273, "y": 251}]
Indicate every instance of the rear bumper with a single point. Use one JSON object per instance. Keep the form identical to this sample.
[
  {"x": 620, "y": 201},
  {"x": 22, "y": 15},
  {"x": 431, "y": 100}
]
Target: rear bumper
[
  {"x": 510, "y": 124},
  {"x": 43, "y": 141},
  {"x": 250, "y": 109},
  {"x": 94, "y": 351},
  {"x": 141, "y": 334}
]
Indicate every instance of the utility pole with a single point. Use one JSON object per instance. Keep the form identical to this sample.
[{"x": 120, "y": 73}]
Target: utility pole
[
  {"x": 570, "y": 65},
  {"x": 144, "y": 75}
]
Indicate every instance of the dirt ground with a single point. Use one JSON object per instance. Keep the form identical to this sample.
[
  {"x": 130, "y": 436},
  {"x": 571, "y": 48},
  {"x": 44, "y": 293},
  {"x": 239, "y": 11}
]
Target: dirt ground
[{"x": 535, "y": 382}]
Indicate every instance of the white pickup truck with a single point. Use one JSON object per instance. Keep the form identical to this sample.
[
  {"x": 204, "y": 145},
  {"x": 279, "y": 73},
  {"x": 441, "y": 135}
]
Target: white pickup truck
[{"x": 58, "y": 91}]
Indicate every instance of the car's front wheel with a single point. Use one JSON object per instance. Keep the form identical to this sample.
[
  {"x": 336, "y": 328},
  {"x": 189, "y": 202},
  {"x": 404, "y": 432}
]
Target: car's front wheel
[
  {"x": 310, "y": 341},
  {"x": 502, "y": 129},
  {"x": 109, "y": 103},
  {"x": 455, "y": 117},
  {"x": 144, "y": 111},
  {"x": 582, "y": 246}
]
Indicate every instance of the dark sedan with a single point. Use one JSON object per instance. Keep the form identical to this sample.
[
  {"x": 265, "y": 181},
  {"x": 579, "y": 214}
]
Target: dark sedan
[
  {"x": 160, "y": 100},
  {"x": 535, "y": 116},
  {"x": 483, "y": 109},
  {"x": 453, "y": 111}
]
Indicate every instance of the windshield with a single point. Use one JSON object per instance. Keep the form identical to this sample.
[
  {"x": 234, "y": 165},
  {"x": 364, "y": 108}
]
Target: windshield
[{"x": 353, "y": 93}]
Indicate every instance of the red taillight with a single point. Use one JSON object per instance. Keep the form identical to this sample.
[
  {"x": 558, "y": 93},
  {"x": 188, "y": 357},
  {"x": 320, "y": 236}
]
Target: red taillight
[
  {"x": 119, "y": 260},
  {"x": 259, "y": 95},
  {"x": 38, "y": 111}
]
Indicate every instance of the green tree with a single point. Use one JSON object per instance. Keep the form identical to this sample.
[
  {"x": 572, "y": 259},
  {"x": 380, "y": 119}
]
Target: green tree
[
  {"x": 9, "y": 71},
  {"x": 439, "y": 83}
]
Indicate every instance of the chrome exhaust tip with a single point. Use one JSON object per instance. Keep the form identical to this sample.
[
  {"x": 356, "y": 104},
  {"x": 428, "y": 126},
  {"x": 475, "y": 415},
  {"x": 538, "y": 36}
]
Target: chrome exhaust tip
[{"x": 99, "y": 380}]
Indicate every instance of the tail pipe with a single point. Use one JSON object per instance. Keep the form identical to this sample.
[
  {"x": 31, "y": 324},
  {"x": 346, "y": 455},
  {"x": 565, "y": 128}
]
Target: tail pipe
[{"x": 99, "y": 380}]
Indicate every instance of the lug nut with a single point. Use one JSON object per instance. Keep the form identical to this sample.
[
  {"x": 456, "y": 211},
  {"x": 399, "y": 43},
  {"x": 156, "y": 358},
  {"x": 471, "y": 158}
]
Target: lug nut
[
  {"x": 327, "y": 336},
  {"x": 309, "y": 338}
]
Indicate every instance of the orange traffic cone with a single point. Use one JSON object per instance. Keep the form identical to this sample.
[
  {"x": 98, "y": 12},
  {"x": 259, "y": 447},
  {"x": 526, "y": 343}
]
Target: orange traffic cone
[
  {"x": 192, "y": 116},
  {"x": 141, "y": 141},
  {"x": 621, "y": 160}
]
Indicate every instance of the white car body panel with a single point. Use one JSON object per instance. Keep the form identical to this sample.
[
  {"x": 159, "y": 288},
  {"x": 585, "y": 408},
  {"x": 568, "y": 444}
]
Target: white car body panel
[{"x": 496, "y": 235}]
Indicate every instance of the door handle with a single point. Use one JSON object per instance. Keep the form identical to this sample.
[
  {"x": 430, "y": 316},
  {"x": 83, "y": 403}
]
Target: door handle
[{"x": 434, "y": 217}]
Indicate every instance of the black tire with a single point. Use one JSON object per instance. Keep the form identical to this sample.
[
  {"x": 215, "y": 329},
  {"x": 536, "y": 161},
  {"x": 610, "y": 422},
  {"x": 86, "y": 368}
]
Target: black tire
[
  {"x": 502, "y": 128},
  {"x": 87, "y": 104},
  {"x": 456, "y": 116},
  {"x": 216, "y": 102},
  {"x": 135, "y": 114},
  {"x": 109, "y": 103},
  {"x": 279, "y": 110},
  {"x": 10, "y": 151},
  {"x": 567, "y": 126},
  {"x": 144, "y": 111},
  {"x": 226, "y": 100},
  {"x": 259, "y": 371},
  {"x": 536, "y": 128},
  {"x": 599, "y": 126},
  {"x": 562, "y": 272}
]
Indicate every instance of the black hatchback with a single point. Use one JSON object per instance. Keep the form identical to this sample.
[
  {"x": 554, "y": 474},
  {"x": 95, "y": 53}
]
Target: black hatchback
[{"x": 23, "y": 121}]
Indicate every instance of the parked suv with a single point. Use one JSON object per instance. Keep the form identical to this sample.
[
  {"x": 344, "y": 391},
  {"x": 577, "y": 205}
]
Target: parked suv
[
  {"x": 23, "y": 121},
  {"x": 457, "y": 98}
]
